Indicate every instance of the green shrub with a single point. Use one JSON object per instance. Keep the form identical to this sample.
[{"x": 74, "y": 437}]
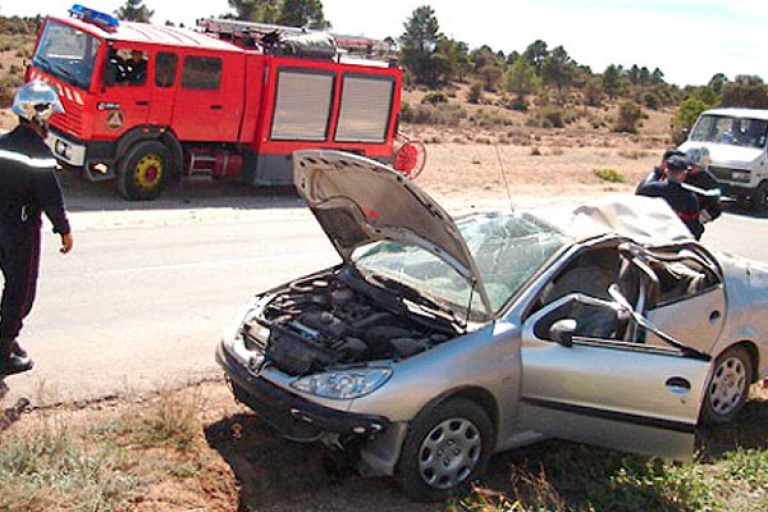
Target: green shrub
[
  {"x": 651, "y": 100},
  {"x": 8, "y": 86},
  {"x": 630, "y": 114},
  {"x": 475, "y": 94},
  {"x": 445, "y": 114},
  {"x": 609, "y": 175},
  {"x": 434, "y": 98}
]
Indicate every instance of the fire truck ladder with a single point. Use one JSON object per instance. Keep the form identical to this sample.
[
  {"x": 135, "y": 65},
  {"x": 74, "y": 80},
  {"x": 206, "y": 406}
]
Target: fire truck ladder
[{"x": 236, "y": 29}]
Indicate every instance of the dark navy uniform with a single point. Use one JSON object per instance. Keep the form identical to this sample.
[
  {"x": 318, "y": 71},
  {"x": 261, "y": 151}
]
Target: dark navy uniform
[
  {"x": 682, "y": 201},
  {"x": 28, "y": 187},
  {"x": 703, "y": 179}
]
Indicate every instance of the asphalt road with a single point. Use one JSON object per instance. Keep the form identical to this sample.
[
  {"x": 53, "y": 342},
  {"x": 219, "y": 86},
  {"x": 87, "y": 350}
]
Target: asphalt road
[{"x": 139, "y": 306}]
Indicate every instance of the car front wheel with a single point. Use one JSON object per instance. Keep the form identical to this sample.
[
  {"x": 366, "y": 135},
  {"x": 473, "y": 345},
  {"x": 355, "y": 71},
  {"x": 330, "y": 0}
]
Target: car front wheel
[
  {"x": 729, "y": 386},
  {"x": 448, "y": 448}
]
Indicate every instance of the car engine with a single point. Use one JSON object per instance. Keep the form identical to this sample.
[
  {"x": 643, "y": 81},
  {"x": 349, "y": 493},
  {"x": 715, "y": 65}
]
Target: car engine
[{"x": 321, "y": 322}]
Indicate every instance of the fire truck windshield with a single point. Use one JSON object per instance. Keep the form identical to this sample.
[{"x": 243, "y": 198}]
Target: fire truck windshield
[{"x": 67, "y": 53}]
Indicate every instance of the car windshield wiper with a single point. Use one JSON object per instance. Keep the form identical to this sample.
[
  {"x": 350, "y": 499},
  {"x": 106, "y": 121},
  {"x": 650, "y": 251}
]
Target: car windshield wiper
[{"x": 414, "y": 296}]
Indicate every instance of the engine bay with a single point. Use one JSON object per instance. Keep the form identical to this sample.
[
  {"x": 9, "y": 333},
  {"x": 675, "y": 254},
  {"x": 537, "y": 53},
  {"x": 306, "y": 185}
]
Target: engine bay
[{"x": 321, "y": 321}]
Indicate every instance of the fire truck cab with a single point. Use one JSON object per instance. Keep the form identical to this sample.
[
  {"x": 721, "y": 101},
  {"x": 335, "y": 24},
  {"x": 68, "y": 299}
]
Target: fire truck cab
[{"x": 146, "y": 103}]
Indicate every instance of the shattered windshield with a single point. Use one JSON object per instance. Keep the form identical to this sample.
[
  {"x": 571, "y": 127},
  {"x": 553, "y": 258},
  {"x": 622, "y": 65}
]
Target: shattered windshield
[
  {"x": 67, "y": 53},
  {"x": 507, "y": 248},
  {"x": 734, "y": 131}
]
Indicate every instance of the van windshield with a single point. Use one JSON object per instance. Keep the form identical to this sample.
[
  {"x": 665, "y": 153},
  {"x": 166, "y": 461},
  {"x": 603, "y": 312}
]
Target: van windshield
[
  {"x": 67, "y": 53},
  {"x": 734, "y": 131}
]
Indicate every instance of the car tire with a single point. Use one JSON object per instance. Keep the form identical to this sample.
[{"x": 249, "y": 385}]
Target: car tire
[
  {"x": 759, "y": 200},
  {"x": 447, "y": 448},
  {"x": 143, "y": 172},
  {"x": 728, "y": 386}
]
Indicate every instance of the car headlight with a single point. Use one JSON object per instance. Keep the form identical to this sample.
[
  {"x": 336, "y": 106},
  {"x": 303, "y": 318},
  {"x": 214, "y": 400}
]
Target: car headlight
[
  {"x": 740, "y": 176},
  {"x": 344, "y": 384}
]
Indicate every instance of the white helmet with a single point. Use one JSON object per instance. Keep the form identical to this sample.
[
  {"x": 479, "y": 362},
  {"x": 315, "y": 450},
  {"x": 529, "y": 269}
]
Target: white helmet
[{"x": 36, "y": 101}]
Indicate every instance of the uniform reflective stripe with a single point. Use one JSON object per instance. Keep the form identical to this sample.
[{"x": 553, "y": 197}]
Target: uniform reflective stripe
[{"x": 38, "y": 163}]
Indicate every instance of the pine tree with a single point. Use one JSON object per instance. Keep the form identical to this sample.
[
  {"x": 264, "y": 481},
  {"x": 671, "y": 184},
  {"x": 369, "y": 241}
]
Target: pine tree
[{"x": 133, "y": 10}]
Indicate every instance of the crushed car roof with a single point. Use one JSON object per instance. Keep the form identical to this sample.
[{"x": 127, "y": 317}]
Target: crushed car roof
[{"x": 646, "y": 220}]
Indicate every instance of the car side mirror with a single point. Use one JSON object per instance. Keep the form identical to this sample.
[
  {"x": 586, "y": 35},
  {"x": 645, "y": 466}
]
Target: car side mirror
[{"x": 562, "y": 331}]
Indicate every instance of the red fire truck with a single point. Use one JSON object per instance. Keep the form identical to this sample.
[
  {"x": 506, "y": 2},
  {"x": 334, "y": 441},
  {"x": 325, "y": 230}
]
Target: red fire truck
[{"x": 146, "y": 103}]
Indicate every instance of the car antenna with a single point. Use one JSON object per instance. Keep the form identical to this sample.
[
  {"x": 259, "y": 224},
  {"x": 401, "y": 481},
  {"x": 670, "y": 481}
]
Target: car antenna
[{"x": 503, "y": 174}]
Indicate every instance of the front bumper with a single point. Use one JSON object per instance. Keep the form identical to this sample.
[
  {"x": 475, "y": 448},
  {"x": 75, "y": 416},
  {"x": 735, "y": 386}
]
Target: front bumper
[
  {"x": 66, "y": 149},
  {"x": 293, "y": 416}
]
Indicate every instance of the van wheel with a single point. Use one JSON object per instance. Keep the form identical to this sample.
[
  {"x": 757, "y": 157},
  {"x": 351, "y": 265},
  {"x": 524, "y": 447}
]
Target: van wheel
[
  {"x": 447, "y": 449},
  {"x": 143, "y": 172},
  {"x": 759, "y": 200}
]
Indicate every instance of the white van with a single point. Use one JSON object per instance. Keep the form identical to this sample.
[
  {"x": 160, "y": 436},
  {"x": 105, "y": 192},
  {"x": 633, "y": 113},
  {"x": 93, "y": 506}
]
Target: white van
[{"x": 735, "y": 139}]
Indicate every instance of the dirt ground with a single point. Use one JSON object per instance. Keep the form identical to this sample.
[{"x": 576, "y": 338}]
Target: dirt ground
[
  {"x": 248, "y": 467},
  {"x": 254, "y": 469}
]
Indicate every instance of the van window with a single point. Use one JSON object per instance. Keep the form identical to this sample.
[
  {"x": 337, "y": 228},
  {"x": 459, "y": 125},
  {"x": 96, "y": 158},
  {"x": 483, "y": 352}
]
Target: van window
[
  {"x": 201, "y": 73},
  {"x": 165, "y": 69}
]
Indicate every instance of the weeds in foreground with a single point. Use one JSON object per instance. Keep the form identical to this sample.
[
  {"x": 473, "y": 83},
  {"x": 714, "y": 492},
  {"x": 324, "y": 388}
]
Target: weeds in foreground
[
  {"x": 610, "y": 175},
  {"x": 582, "y": 479},
  {"x": 103, "y": 467}
]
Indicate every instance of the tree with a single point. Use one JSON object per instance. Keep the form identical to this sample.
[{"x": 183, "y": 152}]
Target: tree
[
  {"x": 133, "y": 10},
  {"x": 536, "y": 53},
  {"x": 264, "y": 11},
  {"x": 685, "y": 116},
  {"x": 657, "y": 77},
  {"x": 456, "y": 54},
  {"x": 302, "y": 13},
  {"x": 488, "y": 66},
  {"x": 746, "y": 91},
  {"x": 612, "y": 81},
  {"x": 521, "y": 79},
  {"x": 717, "y": 82},
  {"x": 419, "y": 44},
  {"x": 558, "y": 69}
]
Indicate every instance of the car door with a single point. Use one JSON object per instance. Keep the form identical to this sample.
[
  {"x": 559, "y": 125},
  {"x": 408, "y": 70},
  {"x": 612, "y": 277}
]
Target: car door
[{"x": 602, "y": 390}]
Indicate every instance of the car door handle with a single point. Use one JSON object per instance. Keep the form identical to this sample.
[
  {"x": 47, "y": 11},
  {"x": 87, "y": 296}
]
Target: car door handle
[
  {"x": 216, "y": 107},
  {"x": 678, "y": 385},
  {"x": 142, "y": 103},
  {"x": 714, "y": 316}
]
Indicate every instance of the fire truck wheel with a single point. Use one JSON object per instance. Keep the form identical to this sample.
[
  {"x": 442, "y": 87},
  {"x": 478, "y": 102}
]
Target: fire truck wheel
[{"x": 143, "y": 172}]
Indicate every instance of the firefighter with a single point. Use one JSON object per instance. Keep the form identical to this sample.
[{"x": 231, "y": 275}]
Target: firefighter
[
  {"x": 29, "y": 187},
  {"x": 659, "y": 172},
  {"x": 682, "y": 201}
]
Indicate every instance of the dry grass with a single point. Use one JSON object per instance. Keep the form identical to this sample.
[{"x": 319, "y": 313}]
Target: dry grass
[{"x": 132, "y": 456}]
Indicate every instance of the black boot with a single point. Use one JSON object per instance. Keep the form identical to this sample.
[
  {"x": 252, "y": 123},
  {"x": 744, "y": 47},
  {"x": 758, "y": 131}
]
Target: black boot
[{"x": 10, "y": 363}]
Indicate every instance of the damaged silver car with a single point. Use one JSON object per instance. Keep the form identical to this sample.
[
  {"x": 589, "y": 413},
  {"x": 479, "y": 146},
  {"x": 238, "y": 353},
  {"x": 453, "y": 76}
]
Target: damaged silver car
[{"x": 437, "y": 342}]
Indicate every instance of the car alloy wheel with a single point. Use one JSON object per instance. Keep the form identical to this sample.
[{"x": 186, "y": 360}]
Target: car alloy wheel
[
  {"x": 449, "y": 453},
  {"x": 729, "y": 386},
  {"x": 448, "y": 447},
  {"x": 729, "y": 383}
]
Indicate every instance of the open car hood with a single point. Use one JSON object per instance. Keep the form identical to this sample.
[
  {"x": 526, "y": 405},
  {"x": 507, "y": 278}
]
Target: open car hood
[{"x": 358, "y": 201}]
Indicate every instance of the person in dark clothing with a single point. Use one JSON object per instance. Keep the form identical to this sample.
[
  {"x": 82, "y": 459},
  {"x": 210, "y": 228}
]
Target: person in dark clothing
[
  {"x": 682, "y": 201},
  {"x": 709, "y": 201},
  {"x": 659, "y": 172},
  {"x": 136, "y": 68},
  {"x": 29, "y": 188}
]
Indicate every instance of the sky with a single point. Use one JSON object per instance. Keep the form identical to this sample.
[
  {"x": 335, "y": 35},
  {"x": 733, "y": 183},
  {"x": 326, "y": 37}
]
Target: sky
[{"x": 688, "y": 40}]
